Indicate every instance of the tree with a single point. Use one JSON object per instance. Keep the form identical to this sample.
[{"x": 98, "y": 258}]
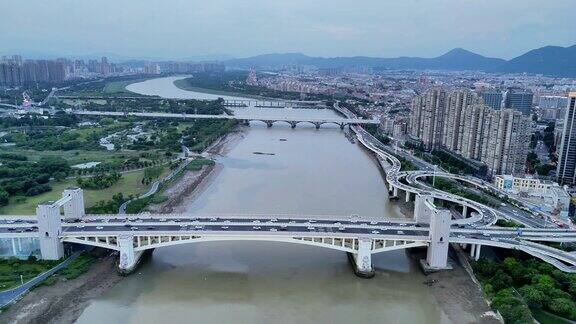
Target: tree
[
  {"x": 562, "y": 306},
  {"x": 533, "y": 296},
  {"x": 4, "y": 197}
]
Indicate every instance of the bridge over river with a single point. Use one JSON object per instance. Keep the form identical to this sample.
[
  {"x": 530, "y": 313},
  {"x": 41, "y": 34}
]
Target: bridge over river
[
  {"x": 293, "y": 121},
  {"x": 132, "y": 235}
]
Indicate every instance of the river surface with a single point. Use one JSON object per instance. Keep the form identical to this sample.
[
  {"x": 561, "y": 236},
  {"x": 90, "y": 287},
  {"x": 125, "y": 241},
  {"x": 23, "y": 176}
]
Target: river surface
[{"x": 311, "y": 172}]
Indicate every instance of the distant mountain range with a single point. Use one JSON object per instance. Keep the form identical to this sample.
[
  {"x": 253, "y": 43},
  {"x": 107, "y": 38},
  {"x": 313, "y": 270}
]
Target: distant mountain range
[{"x": 550, "y": 60}]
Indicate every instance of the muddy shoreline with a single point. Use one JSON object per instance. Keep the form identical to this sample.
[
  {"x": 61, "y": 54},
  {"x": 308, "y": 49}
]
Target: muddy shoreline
[
  {"x": 193, "y": 183},
  {"x": 65, "y": 301}
]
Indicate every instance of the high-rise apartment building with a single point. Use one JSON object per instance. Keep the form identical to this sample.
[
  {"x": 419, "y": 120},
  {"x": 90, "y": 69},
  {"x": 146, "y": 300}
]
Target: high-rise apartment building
[
  {"x": 456, "y": 102},
  {"x": 428, "y": 117},
  {"x": 474, "y": 123},
  {"x": 505, "y": 141},
  {"x": 520, "y": 100},
  {"x": 492, "y": 98},
  {"x": 565, "y": 172},
  {"x": 460, "y": 122}
]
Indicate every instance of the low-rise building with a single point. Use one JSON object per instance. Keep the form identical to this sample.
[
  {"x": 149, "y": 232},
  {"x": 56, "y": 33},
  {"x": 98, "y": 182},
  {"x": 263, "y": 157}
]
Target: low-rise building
[{"x": 517, "y": 185}]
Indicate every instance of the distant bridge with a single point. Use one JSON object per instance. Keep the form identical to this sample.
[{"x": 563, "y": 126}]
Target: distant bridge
[{"x": 293, "y": 121}]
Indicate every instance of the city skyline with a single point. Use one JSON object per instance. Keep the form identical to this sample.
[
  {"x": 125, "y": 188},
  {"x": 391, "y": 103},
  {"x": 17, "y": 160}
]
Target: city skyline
[{"x": 152, "y": 30}]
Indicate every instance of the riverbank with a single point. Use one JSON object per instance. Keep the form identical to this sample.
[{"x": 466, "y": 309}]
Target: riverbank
[
  {"x": 183, "y": 85},
  {"x": 64, "y": 301},
  {"x": 192, "y": 183}
]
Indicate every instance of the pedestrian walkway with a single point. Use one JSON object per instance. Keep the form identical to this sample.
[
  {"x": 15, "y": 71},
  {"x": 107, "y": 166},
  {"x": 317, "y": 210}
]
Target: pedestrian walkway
[{"x": 9, "y": 296}]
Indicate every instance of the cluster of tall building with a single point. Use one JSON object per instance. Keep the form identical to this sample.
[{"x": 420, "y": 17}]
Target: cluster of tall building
[
  {"x": 16, "y": 72},
  {"x": 459, "y": 121},
  {"x": 566, "y": 168},
  {"x": 186, "y": 67},
  {"x": 518, "y": 99}
]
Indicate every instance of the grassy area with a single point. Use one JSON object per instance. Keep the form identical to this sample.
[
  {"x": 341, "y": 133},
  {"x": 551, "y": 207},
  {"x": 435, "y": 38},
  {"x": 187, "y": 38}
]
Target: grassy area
[
  {"x": 184, "y": 85},
  {"x": 130, "y": 184},
  {"x": 79, "y": 266},
  {"x": 11, "y": 269},
  {"x": 75, "y": 156},
  {"x": 119, "y": 87}
]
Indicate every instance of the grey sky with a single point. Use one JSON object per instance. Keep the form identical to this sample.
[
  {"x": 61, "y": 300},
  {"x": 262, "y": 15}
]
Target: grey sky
[{"x": 188, "y": 28}]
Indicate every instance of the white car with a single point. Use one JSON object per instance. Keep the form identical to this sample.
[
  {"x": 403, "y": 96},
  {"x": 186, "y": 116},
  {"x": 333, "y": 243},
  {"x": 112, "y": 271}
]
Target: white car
[
  {"x": 375, "y": 232},
  {"x": 273, "y": 230},
  {"x": 99, "y": 227},
  {"x": 400, "y": 232}
]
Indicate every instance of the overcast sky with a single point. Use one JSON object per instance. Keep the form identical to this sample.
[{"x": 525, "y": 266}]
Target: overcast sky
[{"x": 240, "y": 28}]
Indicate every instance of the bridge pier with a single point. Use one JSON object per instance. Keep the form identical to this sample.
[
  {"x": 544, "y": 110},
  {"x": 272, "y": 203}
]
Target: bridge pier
[
  {"x": 407, "y": 196},
  {"x": 362, "y": 260},
  {"x": 437, "y": 254},
  {"x": 477, "y": 252},
  {"x": 317, "y": 124},
  {"x": 293, "y": 124},
  {"x": 464, "y": 211},
  {"x": 342, "y": 125},
  {"x": 423, "y": 208},
  {"x": 129, "y": 259},
  {"x": 269, "y": 123}
]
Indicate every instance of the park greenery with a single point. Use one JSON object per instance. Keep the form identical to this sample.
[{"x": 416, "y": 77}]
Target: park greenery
[
  {"x": 22, "y": 177},
  {"x": 139, "y": 205},
  {"x": 108, "y": 206},
  {"x": 99, "y": 181},
  {"x": 78, "y": 266},
  {"x": 146, "y": 104},
  {"x": 13, "y": 270},
  {"x": 517, "y": 285},
  {"x": 113, "y": 86}
]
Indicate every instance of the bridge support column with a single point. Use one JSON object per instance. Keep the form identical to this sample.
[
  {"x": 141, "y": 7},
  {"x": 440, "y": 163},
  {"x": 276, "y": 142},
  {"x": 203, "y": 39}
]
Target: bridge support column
[
  {"x": 74, "y": 208},
  {"x": 472, "y": 249},
  {"x": 342, "y": 125},
  {"x": 49, "y": 230},
  {"x": 362, "y": 260},
  {"x": 293, "y": 124},
  {"x": 129, "y": 259},
  {"x": 437, "y": 254},
  {"x": 477, "y": 252},
  {"x": 407, "y": 196},
  {"x": 269, "y": 123},
  {"x": 423, "y": 208},
  {"x": 317, "y": 125},
  {"x": 464, "y": 211}
]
